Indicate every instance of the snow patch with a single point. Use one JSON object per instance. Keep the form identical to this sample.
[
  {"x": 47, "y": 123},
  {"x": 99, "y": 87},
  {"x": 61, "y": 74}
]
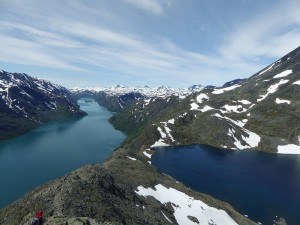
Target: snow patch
[
  {"x": 222, "y": 90},
  {"x": 194, "y": 106},
  {"x": 206, "y": 108},
  {"x": 182, "y": 115},
  {"x": 171, "y": 121},
  {"x": 162, "y": 134},
  {"x": 236, "y": 122},
  {"x": 147, "y": 154},
  {"x": 133, "y": 159},
  {"x": 252, "y": 140},
  {"x": 272, "y": 89},
  {"x": 281, "y": 101},
  {"x": 168, "y": 130},
  {"x": 245, "y": 102},
  {"x": 185, "y": 206},
  {"x": 288, "y": 149},
  {"x": 297, "y": 82},
  {"x": 245, "y": 121},
  {"x": 159, "y": 143},
  {"x": 283, "y": 74},
  {"x": 202, "y": 96}
]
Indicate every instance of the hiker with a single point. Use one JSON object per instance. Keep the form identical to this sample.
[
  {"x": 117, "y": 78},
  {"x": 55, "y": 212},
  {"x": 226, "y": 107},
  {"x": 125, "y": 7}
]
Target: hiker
[{"x": 38, "y": 219}]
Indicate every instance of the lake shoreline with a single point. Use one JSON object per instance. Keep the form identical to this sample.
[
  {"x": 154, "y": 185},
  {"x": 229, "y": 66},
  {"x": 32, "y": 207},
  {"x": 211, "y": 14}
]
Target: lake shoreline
[
  {"x": 28, "y": 160},
  {"x": 127, "y": 174},
  {"x": 214, "y": 172}
]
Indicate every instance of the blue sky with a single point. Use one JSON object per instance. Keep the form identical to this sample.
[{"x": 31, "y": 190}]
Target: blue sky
[{"x": 175, "y": 43}]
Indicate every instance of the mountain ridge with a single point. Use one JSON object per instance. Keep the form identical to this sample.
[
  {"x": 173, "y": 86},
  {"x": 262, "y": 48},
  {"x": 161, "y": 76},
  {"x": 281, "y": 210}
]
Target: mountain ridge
[
  {"x": 248, "y": 114},
  {"x": 26, "y": 102}
]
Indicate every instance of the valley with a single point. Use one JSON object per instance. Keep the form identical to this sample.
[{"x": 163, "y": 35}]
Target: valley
[{"x": 260, "y": 113}]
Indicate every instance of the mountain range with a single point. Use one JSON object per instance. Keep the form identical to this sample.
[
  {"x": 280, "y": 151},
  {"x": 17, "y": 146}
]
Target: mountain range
[
  {"x": 260, "y": 113},
  {"x": 119, "y": 97}
]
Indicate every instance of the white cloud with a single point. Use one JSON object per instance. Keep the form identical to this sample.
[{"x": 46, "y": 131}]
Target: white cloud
[
  {"x": 72, "y": 44},
  {"x": 153, "y": 6},
  {"x": 18, "y": 51},
  {"x": 65, "y": 40},
  {"x": 271, "y": 34}
]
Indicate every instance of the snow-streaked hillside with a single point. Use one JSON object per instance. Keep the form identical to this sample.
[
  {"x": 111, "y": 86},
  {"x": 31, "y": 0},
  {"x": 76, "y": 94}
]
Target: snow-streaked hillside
[
  {"x": 26, "y": 101},
  {"x": 259, "y": 113}
]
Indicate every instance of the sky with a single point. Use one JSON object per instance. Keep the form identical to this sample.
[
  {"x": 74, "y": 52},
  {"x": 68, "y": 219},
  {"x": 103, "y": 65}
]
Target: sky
[{"x": 177, "y": 43}]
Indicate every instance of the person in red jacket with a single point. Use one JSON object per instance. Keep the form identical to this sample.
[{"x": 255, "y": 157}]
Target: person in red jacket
[{"x": 38, "y": 219}]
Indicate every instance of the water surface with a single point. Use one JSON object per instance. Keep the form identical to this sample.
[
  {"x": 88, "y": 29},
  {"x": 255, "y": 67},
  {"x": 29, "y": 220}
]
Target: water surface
[
  {"x": 257, "y": 184},
  {"x": 55, "y": 149}
]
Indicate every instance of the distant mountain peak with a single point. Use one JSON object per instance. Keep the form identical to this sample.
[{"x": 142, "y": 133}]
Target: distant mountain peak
[{"x": 162, "y": 91}]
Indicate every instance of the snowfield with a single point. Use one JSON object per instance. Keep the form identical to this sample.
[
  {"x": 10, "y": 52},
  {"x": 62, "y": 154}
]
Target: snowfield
[
  {"x": 194, "y": 106},
  {"x": 283, "y": 74},
  {"x": 159, "y": 143},
  {"x": 162, "y": 134},
  {"x": 297, "y": 82},
  {"x": 147, "y": 154},
  {"x": 222, "y": 90},
  {"x": 133, "y": 159},
  {"x": 206, "y": 108},
  {"x": 281, "y": 101},
  {"x": 185, "y": 206},
  {"x": 252, "y": 139},
  {"x": 201, "y": 97},
  {"x": 272, "y": 89},
  {"x": 171, "y": 121},
  {"x": 288, "y": 149},
  {"x": 245, "y": 102}
]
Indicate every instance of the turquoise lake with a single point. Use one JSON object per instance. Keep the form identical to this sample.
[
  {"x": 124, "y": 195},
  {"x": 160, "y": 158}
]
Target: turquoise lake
[
  {"x": 262, "y": 186},
  {"x": 55, "y": 149}
]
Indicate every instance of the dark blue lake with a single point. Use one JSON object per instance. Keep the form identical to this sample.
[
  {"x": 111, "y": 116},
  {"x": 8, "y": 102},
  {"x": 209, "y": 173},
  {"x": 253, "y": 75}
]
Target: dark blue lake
[
  {"x": 55, "y": 149},
  {"x": 256, "y": 184}
]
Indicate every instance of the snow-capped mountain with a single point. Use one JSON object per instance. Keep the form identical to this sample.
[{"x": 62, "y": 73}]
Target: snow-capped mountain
[
  {"x": 118, "y": 97},
  {"x": 146, "y": 91},
  {"x": 26, "y": 101}
]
